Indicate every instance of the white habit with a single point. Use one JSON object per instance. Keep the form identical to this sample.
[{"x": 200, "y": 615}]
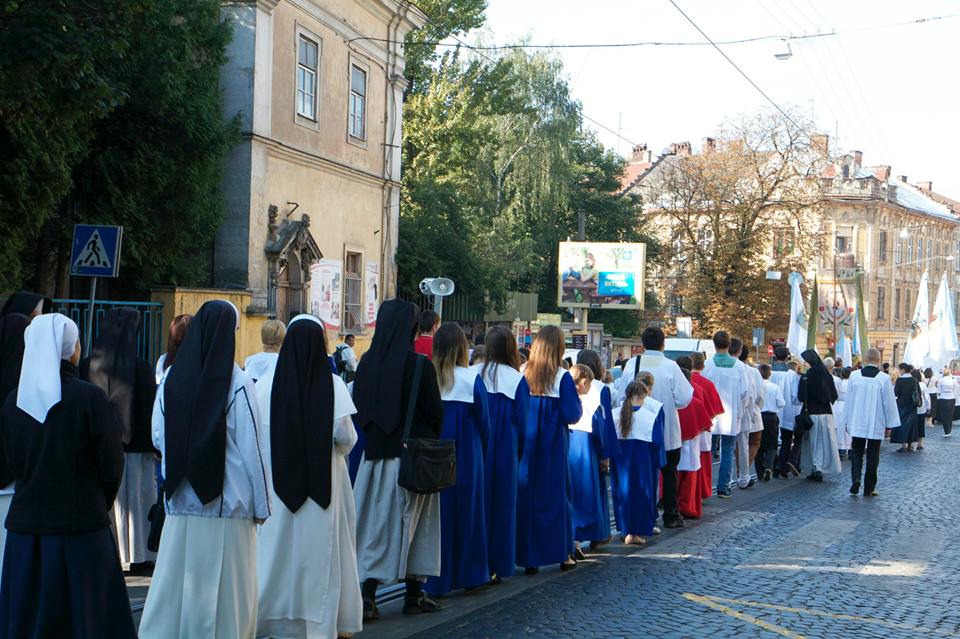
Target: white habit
[
  {"x": 138, "y": 492},
  {"x": 307, "y": 561}
]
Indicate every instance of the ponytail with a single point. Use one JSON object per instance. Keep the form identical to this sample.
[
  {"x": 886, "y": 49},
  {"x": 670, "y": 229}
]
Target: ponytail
[{"x": 640, "y": 387}]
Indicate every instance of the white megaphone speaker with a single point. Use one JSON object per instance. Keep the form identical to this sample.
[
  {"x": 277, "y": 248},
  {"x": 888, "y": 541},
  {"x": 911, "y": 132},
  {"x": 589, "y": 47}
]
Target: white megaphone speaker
[{"x": 437, "y": 288}]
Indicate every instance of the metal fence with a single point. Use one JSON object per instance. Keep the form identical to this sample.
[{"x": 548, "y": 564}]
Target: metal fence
[{"x": 149, "y": 335}]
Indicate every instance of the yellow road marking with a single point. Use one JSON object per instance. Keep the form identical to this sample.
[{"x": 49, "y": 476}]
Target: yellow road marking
[
  {"x": 717, "y": 604},
  {"x": 727, "y": 610}
]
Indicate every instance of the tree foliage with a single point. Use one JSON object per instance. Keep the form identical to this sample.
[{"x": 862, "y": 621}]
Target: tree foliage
[
  {"x": 733, "y": 212},
  {"x": 445, "y": 18},
  {"x": 497, "y": 167},
  {"x": 102, "y": 124}
]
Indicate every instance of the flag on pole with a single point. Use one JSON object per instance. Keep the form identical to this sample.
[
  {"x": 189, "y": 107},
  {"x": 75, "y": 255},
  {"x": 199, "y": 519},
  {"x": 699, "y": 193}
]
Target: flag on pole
[
  {"x": 917, "y": 352},
  {"x": 844, "y": 349},
  {"x": 813, "y": 317},
  {"x": 797, "y": 332},
  {"x": 855, "y": 342},
  {"x": 944, "y": 345},
  {"x": 860, "y": 336}
]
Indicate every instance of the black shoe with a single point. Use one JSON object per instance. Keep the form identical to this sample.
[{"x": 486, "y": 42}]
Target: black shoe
[
  {"x": 723, "y": 494},
  {"x": 568, "y": 565},
  {"x": 370, "y": 610},
  {"x": 855, "y": 488},
  {"x": 577, "y": 553},
  {"x": 781, "y": 475},
  {"x": 531, "y": 570},
  {"x": 673, "y": 523},
  {"x": 421, "y": 605},
  {"x": 767, "y": 474},
  {"x": 872, "y": 493},
  {"x": 817, "y": 477},
  {"x": 792, "y": 469}
]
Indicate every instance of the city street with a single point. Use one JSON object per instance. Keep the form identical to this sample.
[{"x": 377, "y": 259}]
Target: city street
[{"x": 789, "y": 558}]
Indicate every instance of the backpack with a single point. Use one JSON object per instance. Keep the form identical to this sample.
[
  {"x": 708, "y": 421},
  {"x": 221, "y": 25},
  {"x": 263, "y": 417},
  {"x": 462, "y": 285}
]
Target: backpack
[{"x": 338, "y": 358}]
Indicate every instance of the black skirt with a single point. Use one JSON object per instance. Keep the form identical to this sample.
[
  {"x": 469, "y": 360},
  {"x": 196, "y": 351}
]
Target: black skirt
[{"x": 68, "y": 586}]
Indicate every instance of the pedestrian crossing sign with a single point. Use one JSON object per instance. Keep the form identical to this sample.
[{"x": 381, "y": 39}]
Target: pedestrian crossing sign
[{"x": 96, "y": 250}]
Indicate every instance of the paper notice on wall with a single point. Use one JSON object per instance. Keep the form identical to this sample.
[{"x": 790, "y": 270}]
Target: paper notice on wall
[
  {"x": 372, "y": 282},
  {"x": 326, "y": 292}
]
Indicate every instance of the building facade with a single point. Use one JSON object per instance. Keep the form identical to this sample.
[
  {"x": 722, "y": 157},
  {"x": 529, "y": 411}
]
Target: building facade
[{"x": 312, "y": 189}]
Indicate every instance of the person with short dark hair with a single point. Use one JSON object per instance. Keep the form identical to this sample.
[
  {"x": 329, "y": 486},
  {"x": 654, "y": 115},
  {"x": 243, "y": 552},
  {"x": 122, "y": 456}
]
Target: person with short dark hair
[
  {"x": 729, "y": 375},
  {"x": 751, "y": 434},
  {"x": 781, "y": 374},
  {"x": 345, "y": 359},
  {"x": 672, "y": 389},
  {"x": 427, "y": 325},
  {"x": 773, "y": 403}
]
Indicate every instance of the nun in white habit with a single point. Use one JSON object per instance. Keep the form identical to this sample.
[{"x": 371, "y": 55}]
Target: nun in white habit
[
  {"x": 205, "y": 426},
  {"x": 307, "y": 561}
]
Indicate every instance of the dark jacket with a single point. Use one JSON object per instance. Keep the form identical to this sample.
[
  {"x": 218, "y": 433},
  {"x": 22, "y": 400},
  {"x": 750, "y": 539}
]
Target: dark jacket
[
  {"x": 67, "y": 469},
  {"x": 144, "y": 392},
  {"x": 818, "y": 392},
  {"x": 427, "y": 416}
]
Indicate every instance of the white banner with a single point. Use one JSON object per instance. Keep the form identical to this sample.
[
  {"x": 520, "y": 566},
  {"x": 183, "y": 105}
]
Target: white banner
[
  {"x": 326, "y": 292},
  {"x": 372, "y": 282}
]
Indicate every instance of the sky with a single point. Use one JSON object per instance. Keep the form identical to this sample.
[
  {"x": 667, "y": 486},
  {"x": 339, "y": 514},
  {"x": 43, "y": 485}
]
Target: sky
[{"x": 888, "y": 91}]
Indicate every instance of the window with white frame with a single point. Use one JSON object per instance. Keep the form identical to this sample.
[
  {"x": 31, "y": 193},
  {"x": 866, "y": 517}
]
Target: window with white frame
[
  {"x": 898, "y": 251},
  {"x": 920, "y": 252},
  {"x": 909, "y": 250},
  {"x": 308, "y": 56},
  {"x": 353, "y": 319},
  {"x": 357, "y": 124},
  {"x": 896, "y": 304},
  {"x": 882, "y": 248}
]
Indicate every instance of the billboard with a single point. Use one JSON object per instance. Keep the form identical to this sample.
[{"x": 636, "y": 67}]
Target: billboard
[{"x": 601, "y": 275}]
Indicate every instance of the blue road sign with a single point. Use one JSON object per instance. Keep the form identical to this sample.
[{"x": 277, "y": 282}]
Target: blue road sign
[{"x": 96, "y": 250}]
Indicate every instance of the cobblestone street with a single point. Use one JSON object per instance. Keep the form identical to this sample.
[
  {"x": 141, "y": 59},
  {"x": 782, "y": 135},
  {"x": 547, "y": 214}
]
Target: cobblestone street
[{"x": 789, "y": 558}]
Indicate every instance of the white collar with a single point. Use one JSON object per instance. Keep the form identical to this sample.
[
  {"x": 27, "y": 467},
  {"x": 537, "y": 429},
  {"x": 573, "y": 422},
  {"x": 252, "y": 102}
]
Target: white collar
[
  {"x": 502, "y": 380},
  {"x": 464, "y": 380},
  {"x": 590, "y": 403}
]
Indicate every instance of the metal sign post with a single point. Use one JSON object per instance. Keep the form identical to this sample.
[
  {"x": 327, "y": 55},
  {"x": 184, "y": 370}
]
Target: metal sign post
[{"x": 95, "y": 253}]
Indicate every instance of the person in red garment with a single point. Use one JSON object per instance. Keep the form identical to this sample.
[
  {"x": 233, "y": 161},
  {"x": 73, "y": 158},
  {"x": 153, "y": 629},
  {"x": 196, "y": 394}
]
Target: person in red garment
[
  {"x": 694, "y": 419},
  {"x": 711, "y": 400},
  {"x": 428, "y": 324}
]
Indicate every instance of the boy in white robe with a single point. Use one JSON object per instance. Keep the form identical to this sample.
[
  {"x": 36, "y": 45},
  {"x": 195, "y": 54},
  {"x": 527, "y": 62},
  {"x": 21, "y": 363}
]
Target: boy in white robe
[{"x": 729, "y": 376}]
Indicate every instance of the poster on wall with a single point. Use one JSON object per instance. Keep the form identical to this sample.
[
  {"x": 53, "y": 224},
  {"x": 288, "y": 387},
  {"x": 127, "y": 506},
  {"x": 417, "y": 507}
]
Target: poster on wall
[
  {"x": 326, "y": 292},
  {"x": 601, "y": 275},
  {"x": 371, "y": 279}
]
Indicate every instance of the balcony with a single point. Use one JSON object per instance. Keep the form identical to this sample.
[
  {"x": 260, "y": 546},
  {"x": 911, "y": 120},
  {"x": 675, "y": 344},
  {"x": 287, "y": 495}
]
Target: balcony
[{"x": 846, "y": 261}]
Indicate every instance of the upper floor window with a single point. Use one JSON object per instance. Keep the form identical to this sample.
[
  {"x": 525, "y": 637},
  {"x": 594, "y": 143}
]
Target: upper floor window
[
  {"x": 358, "y": 101},
  {"x": 881, "y": 302},
  {"x": 308, "y": 55},
  {"x": 353, "y": 319},
  {"x": 882, "y": 248},
  {"x": 898, "y": 251},
  {"x": 896, "y": 304},
  {"x": 909, "y": 250},
  {"x": 920, "y": 252}
]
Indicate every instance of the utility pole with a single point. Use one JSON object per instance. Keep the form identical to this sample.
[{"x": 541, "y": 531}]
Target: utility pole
[{"x": 582, "y": 236}]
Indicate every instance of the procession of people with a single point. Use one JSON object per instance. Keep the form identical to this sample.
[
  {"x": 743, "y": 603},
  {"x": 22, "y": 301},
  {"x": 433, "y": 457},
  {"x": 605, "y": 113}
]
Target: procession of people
[{"x": 462, "y": 473}]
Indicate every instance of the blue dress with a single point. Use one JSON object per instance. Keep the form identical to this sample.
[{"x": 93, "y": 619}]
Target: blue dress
[
  {"x": 611, "y": 450},
  {"x": 638, "y": 468},
  {"x": 584, "y": 454},
  {"x": 463, "y": 530},
  {"x": 508, "y": 399},
  {"x": 544, "y": 515}
]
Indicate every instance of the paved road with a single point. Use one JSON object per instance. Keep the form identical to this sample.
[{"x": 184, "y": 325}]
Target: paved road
[{"x": 790, "y": 558}]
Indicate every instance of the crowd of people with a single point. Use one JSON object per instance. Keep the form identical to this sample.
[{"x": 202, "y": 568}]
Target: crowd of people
[{"x": 284, "y": 495}]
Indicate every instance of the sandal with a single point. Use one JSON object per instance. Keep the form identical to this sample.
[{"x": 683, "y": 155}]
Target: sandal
[
  {"x": 419, "y": 606},
  {"x": 370, "y": 610},
  {"x": 634, "y": 540}
]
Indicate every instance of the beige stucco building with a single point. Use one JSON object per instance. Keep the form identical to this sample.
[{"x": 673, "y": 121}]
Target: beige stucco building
[{"x": 312, "y": 189}]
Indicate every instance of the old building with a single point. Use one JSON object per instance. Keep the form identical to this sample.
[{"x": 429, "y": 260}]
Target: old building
[
  {"x": 312, "y": 190},
  {"x": 868, "y": 222}
]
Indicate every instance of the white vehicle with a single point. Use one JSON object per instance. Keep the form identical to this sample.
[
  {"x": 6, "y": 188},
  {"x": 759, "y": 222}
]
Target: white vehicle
[{"x": 678, "y": 346}]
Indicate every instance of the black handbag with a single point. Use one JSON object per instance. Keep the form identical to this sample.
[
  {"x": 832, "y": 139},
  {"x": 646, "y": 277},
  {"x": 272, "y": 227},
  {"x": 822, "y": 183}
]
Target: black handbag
[
  {"x": 156, "y": 518},
  {"x": 802, "y": 422},
  {"x": 426, "y": 465}
]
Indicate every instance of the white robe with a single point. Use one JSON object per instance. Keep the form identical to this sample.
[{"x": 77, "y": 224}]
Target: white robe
[
  {"x": 138, "y": 492},
  {"x": 670, "y": 388},
  {"x": 870, "y": 406},
  {"x": 754, "y": 423},
  {"x": 839, "y": 408},
  {"x": 735, "y": 392},
  {"x": 307, "y": 561},
  {"x": 789, "y": 383}
]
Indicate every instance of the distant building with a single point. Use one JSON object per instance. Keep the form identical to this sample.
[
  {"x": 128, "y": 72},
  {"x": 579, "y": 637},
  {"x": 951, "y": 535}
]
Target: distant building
[{"x": 312, "y": 190}]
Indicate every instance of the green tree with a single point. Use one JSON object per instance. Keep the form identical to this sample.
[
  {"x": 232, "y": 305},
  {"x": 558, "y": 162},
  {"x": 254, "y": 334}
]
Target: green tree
[
  {"x": 56, "y": 82},
  {"x": 445, "y": 18}
]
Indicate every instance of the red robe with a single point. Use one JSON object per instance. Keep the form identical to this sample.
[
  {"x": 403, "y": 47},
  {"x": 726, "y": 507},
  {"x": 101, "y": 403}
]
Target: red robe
[
  {"x": 423, "y": 345},
  {"x": 694, "y": 419},
  {"x": 711, "y": 399}
]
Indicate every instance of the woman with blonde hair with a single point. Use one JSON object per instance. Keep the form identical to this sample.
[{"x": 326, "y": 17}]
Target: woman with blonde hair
[
  {"x": 642, "y": 454},
  {"x": 544, "y": 517},
  {"x": 463, "y": 530}
]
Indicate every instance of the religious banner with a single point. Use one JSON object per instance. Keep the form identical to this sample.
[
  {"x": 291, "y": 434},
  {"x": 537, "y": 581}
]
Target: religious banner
[
  {"x": 917, "y": 352},
  {"x": 326, "y": 292},
  {"x": 372, "y": 282}
]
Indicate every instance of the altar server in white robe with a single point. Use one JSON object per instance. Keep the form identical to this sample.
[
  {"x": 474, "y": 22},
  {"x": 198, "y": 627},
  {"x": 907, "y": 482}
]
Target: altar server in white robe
[
  {"x": 729, "y": 375},
  {"x": 672, "y": 389},
  {"x": 870, "y": 408},
  {"x": 788, "y": 459},
  {"x": 751, "y": 428},
  {"x": 205, "y": 426},
  {"x": 307, "y": 559}
]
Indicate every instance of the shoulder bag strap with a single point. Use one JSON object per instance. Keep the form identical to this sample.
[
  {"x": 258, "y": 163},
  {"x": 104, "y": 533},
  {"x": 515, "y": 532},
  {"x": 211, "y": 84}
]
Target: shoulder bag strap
[
  {"x": 412, "y": 401},
  {"x": 636, "y": 367}
]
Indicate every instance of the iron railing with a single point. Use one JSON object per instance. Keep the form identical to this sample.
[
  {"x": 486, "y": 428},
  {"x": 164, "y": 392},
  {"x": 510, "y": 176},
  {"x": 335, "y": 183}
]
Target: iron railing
[{"x": 149, "y": 335}]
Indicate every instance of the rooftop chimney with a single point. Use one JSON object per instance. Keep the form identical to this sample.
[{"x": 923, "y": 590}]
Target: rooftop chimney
[
  {"x": 821, "y": 143},
  {"x": 882, "y": 172},
  {"x": 857, "y": 158},
  {"x": 641, "y": 155},
  {"x": 926, "y": 187},
  {"x": 680, "y": 148},
  {"x": 709, "y": 144}
]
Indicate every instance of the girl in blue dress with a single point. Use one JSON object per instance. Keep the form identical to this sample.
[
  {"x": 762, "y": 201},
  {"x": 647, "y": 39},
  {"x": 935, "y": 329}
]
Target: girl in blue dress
[
  {"x": 641, "y": 456},
  {"x": 463, "y": 527},
  {"x": 544, "y": 514},
  {"x": 508, "y": 399}
]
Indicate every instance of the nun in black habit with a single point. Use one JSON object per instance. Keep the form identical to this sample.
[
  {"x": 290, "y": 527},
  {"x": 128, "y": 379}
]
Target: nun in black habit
[
  {"x": 130, "y": 385},
  {"x": 307, "y": 560},
  {"x": 818, "y": 392},
  {"x": 27, "y": 303},
  {"x": 205, "y": 427},
  {"x": 12, "y": 327},
  {"x": 398, "y": 531},
  {"x": 61, "y": 441}
]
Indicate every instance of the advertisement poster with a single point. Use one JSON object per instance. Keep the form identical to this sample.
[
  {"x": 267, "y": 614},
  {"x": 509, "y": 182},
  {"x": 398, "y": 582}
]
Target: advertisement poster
[
  {"x": 326, "y": 292},
  {"x": 372, "y": 299},
  {"x": 601, "y": 275}
]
